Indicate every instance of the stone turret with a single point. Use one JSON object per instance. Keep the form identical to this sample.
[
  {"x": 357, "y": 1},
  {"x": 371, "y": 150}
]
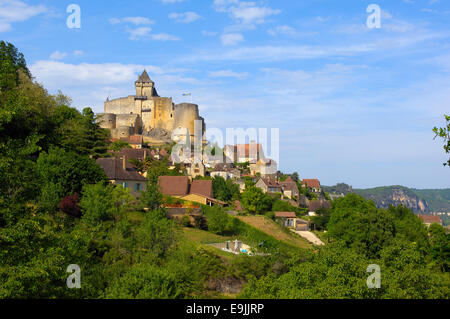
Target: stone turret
[{"x": 145, "y": 86}]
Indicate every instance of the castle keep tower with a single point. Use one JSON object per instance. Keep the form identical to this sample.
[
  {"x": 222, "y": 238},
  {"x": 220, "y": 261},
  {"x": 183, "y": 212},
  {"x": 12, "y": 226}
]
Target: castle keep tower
[
  {"x": 141, "y": 113},
  {"x": 145, "y": 86}
]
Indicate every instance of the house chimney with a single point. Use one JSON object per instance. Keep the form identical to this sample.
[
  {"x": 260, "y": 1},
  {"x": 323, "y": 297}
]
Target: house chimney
[
  {"x": 145, "y": 154},
  {"x": 124, "y": 163}
]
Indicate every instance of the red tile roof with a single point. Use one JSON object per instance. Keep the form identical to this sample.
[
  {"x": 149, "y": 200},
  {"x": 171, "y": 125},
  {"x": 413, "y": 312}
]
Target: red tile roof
[
  {"x": 313, "y": 183},
  {"x": 430, "y": 219},
  {"x": 202, "y": 187},
  {"x": 174, "y": 185},
  {"x": 285, "y": 215}
]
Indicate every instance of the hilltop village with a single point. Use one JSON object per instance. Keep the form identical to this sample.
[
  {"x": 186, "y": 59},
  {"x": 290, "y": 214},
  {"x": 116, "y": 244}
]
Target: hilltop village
[{"x": 147, "y": 125}]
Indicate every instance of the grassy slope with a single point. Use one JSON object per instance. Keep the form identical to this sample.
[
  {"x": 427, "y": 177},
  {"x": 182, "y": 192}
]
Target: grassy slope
[{"x": 272, "y": 229}]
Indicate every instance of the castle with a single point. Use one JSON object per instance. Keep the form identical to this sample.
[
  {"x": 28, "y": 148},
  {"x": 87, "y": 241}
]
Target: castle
[{"x": 146, "y": 111}]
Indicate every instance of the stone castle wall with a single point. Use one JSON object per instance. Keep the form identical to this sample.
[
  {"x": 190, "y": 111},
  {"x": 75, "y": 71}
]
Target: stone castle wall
[{"x": 145, "y": 111}]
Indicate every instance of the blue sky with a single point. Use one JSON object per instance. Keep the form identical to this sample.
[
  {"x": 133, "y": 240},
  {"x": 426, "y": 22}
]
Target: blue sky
[{"x": 353, "y": 104}]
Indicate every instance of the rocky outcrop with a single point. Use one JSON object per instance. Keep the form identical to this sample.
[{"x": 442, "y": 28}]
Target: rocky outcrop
[{"x": 396, "y": 195}]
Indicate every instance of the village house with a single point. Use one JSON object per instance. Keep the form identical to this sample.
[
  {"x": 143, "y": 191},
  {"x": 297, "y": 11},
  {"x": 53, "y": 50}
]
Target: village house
[
  {"x": 290, "y": 220},
  {"x": 430, "y": 219},
  {"x": 242, "y": 153},
  {"x": 290, "y": 188},
  {"x": 312, "y": 184},
  {"x": 199, "y": 191},
  {"x": 264, "y": 166},
  {"x": 269, "y": 186},
  {"x": 314, "y": 205},
  {"x": 120, "y": 172},
  {"x": 226, "y": 171}
]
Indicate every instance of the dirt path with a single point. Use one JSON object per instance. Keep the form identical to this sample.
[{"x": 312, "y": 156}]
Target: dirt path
[
  {"x": 273, "y": 229},
  {"x": 309, "y": 236}
]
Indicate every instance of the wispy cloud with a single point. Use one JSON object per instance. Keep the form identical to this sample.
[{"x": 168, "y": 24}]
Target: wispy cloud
[
  {"x": 232, "y": 39},
  {"x": 227, "y": 74},
  {"x": 12, "y": 11},
  {"x": 185, "y": 17},
  {"x": 132, "y": 20}
]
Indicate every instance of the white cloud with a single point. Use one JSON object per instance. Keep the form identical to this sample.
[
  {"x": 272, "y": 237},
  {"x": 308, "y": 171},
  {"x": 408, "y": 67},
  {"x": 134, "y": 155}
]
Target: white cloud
[
  {"x": 186, "y": 17},
  {"x": 231, "y": 39},
  {"x": 164, "y": 37},
  {"x": 227, "y": 74},
  {"x": 283, "y": 30},
  {"x": 58, "y": 55},
  {"x": 139, "y": 33},
  {"x": 245, "y": 12},
  {"x": 12, "y": 11},
  {"x": 132, "y": 20}
]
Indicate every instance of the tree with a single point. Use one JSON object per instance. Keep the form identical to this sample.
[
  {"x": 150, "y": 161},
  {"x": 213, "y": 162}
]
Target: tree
[
  {"x": 102, "y": 202},
  {"x": 145, "y": 281},
  {"x": 225, "y": 190},
  {"x": 440, "y": 246},
  {"x": 444, "y": 133},
  {"x": 64, "y": 173},
  {"x": 322, "y": 218},
  {"x": 83, "y": 135},
  {"x": 295, "y": 177},
  {"x": 255, "y": 201},
  {"x": 152, "y": 198},
  {"x": 359, "y": 224}
]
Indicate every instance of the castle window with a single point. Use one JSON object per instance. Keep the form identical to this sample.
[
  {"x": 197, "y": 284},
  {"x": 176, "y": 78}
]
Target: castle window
[{"x": 171, "y": 115}]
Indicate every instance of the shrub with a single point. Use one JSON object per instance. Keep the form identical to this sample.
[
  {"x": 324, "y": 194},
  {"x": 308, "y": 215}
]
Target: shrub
[{"x": 69, "y": 205}]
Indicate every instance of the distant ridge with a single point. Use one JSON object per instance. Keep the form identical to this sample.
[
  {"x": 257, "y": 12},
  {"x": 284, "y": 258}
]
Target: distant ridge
[{"x": 421, "y": 201}]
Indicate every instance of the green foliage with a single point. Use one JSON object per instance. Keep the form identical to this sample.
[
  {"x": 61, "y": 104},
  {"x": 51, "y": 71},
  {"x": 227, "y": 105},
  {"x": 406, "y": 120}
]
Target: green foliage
[
  {"x": 255, "y": 201},
  {"x": 321, "y": 219},
  {"x": 155, "y": 236},
  {"x": 83, "y": 135},
  {"x": 151, "y": 198},
  {"x": 225, "y": 190},
  {"x": 64, "y": 173},
  {"x": 283, "y": 206},
  {"x": 440, "y": 246},
  {"x": 145, "y": 282},
  {"x": 444, "y": 133},
  {"x": 101, "y": 203},
  {"x": 119, "y": 145},
  {"x": 359, "y": 224}
]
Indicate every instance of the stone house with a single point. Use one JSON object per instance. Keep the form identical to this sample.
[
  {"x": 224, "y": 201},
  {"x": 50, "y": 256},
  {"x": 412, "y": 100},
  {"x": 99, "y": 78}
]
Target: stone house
[
  {"x": 226, "y": 171},
  {"x": 290, "y": 189},
  {"x": 312, "y": 184},
  {"x": 120, "y": 172},
  {"x": 269, "y": 186},
  {"x": 265, "y": 167}
]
